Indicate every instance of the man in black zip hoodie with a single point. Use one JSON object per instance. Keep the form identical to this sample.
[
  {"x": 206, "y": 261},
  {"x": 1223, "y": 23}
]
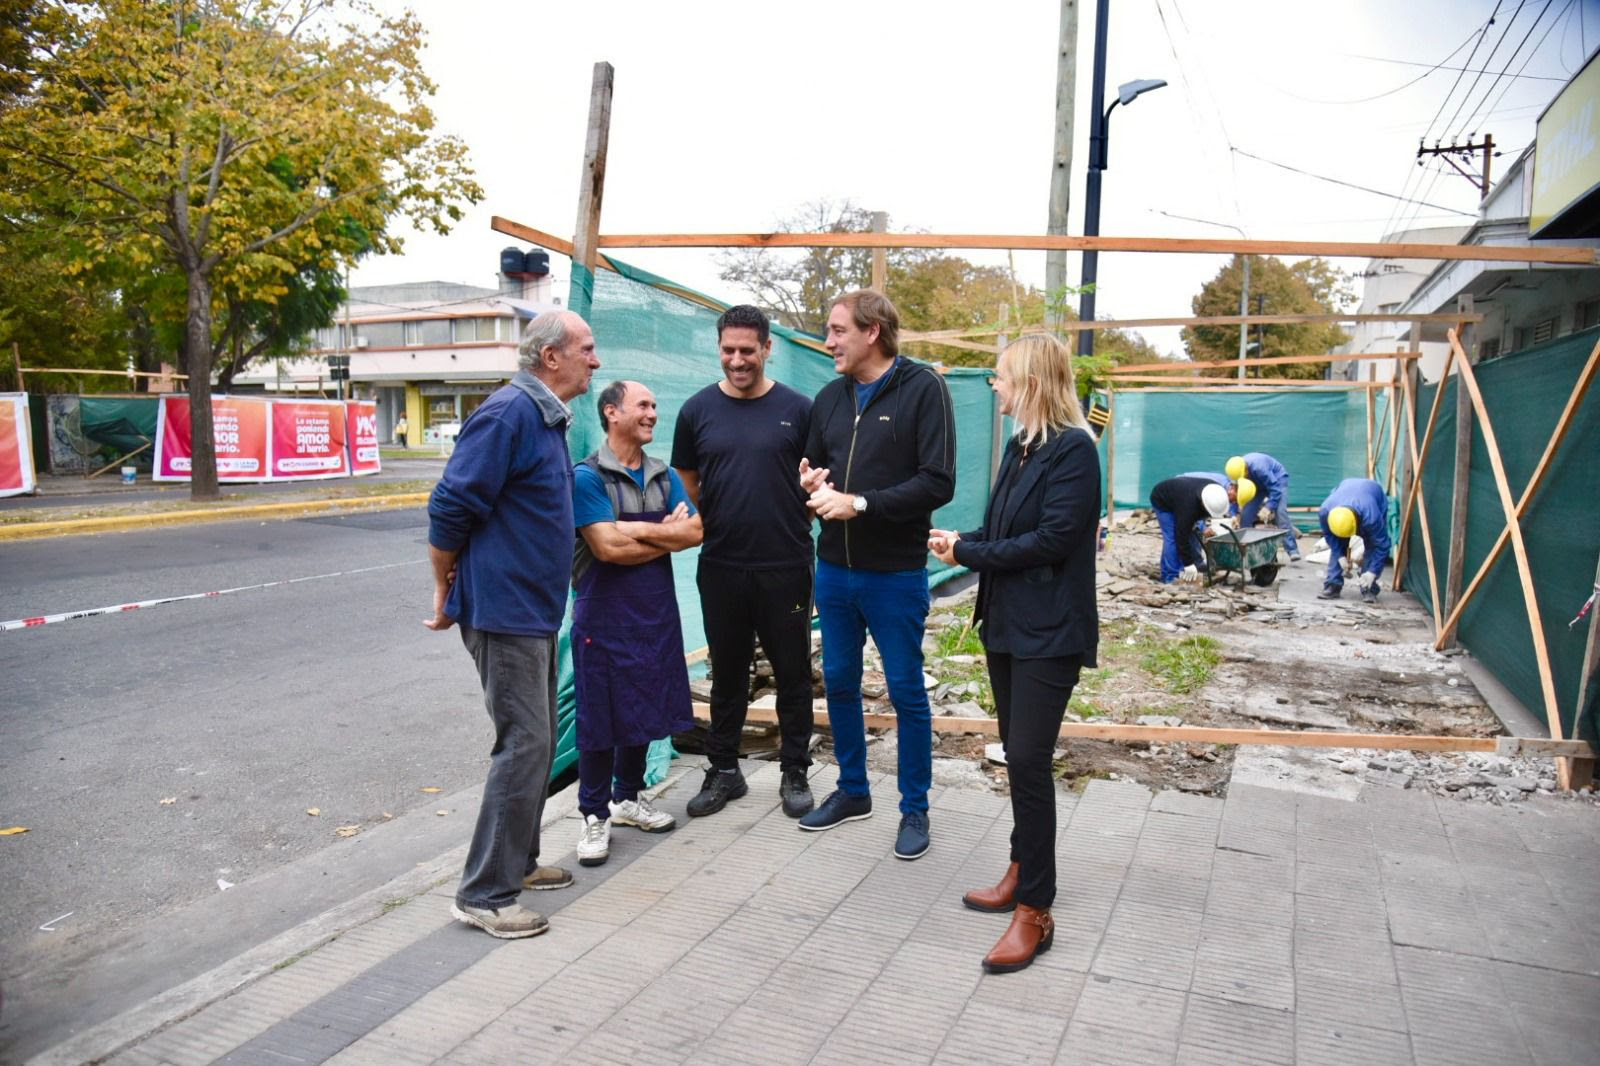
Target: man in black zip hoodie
[{"x": 880, "y": 457}]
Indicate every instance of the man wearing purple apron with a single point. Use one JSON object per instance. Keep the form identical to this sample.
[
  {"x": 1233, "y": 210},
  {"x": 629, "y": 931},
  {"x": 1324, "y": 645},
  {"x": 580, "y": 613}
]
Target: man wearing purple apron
[{"x": 629, "y": 674}]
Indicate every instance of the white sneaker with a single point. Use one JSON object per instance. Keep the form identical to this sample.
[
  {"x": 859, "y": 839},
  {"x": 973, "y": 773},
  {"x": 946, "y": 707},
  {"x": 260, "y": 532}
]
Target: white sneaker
[
  {"x": 594, "y": 843},
  {"x": 640, "y": 813}
]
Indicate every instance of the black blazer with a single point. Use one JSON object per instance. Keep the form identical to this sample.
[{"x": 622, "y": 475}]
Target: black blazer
[{"x": 1035, "y": 552}]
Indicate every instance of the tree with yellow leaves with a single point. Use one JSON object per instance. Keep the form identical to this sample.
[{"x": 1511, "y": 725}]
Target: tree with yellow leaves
[{"x": 230, "y": 143}]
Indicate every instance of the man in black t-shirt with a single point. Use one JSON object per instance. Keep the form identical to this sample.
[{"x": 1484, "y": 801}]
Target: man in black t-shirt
[{"x": 736, "y": 446}]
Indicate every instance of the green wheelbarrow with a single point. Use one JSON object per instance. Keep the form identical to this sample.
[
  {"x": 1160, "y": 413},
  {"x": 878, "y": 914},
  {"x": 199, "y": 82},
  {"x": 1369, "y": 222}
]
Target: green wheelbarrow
[{"x": 1252, "y": 553}]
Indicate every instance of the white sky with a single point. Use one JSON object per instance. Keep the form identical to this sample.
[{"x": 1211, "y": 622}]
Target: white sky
[{"x": 728, "y": 114}]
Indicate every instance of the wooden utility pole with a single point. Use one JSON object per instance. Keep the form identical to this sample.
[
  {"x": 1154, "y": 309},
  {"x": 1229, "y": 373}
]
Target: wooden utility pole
[
  {"x": 585, "y": 241},
  {"x": 880, "y": 256},
  {"x": 1456, "y": 567},
  {"x": 1055, "y": 263}
]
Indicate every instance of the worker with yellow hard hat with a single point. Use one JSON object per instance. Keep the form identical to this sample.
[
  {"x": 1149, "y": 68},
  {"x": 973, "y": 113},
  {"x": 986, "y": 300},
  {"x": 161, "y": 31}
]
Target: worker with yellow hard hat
[
  {"x": 1357, "y": 506},
  {"x": 1271, "y": 482}
]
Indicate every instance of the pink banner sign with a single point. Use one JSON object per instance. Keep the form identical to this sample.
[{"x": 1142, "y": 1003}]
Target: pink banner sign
[{"x": 361, "y": 430}]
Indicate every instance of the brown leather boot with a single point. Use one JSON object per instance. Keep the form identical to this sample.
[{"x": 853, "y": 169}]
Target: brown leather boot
[
  {"x": 996, "y": 900},
  {"x": 1031, "y": 932}
]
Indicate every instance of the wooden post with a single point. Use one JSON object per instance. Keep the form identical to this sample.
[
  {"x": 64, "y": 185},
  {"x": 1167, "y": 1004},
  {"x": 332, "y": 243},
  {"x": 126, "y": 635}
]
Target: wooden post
[
  {"x": 880, "y": 256},
  {"x": 16, "y": 353},
  {"x": 1541, "y": 650},
  {"x": 1417, "y": 461},
  {"x": 1420, "y": 460},
  {"x": 1461, "y": 491},
  {"x": 1372, "y": 403},
  {"x": 997, "y": 430},
  {"x": 586, "y": 240},
  {"x": 1055, "y": 260},
  {"x": 1572, "y": 773},
  {"x": 1111, "y": 456}
]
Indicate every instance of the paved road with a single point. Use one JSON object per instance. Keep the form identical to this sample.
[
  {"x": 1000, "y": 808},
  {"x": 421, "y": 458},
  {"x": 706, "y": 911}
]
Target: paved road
[
  {"x": 244, "y": 710},
  {"x": 77, "y": 491}
]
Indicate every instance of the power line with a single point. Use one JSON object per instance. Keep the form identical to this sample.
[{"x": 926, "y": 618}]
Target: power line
[
  {"x": 1440, "y": 65},
  {"x": 1504, "y": 33},
  {"x": 1190, "y": 96},
  {"x": 1525, "y": 62},
  {"x": 1346, "y": 184},
  {"x": 1388, "y": 92}
]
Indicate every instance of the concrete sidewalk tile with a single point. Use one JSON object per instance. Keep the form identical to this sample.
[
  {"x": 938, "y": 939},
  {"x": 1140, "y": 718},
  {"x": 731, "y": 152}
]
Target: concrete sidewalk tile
[
  {"x": 844, "y": 951},
  {"x": 1323, "y": 1044},
  {"x": 1220, "y": 1032},
  {"x": 1557, "y": 1038},
  {"x": 1440, "y": 928},
  {"x": 1174, "y": 891},
  {"x": 1268, "y": 804},
  {"x": 1090, "y": 1044},
  {"x": 1246, "y": 963},
  {"x": 1555, "y": 831},
  {"x": 1337, "y": 999},
  {"x": 1152, "y": 959},
  {"x": 615, "y": 902},
  {"x": 1415, "y": 804},
  {"x": 1269, "y": 872},
  {"x": 1485, "y": 825},
  {"x": 1447, "y": 1030},
  {"x": 1407, "y": 842},
  {"x": 1188, "y": 804},
  {"x": 970, "y": 801},
  {"x": 983, "y": 1037},
  {"x": 1539, "y": 987},
  {"x": 1131, "y": 1006},
  {"x": 1448, "y": 973},
  {"x": 1255, "y": 838},
  {"x": 1546, "y": 938}
]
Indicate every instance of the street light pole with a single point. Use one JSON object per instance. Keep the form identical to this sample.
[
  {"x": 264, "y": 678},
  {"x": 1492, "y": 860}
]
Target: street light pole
[
  {"x": 1099, "y": 134},
  {"x": 1244, "y": 288}
]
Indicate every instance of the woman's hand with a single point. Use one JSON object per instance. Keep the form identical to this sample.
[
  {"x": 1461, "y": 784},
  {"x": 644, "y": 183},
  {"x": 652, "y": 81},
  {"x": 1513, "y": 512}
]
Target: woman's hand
[{"x": 942, "y": 543}]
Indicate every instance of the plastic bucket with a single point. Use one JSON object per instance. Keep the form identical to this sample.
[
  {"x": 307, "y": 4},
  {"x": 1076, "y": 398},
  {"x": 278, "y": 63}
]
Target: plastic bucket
[{"x": 129, "y": 474}]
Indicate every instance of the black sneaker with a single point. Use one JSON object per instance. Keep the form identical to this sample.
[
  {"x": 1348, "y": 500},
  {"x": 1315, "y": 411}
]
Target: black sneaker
[
  {"x": 720, "y": 786},
  {"x": 837, "y": 809},
  {"x": 1330, "y": 592},
  {"x": 795, "y": 791},
  {"x": 912, "y": 840}
]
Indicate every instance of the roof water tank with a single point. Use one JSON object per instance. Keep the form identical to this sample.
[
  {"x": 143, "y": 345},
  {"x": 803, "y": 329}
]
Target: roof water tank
[
  {"x": 537, "y": 263},
  {"x": 513, "y": 262}
]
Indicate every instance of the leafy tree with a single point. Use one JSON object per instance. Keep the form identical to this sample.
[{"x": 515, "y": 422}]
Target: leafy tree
[
  {"x": 1310, "y": 286},
  {"x": 799, "y": 286},
  {"x": 232, "y": 144}
]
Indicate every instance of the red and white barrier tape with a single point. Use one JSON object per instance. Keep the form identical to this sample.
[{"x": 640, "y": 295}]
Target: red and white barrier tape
[{"x": 68, "y": 616}]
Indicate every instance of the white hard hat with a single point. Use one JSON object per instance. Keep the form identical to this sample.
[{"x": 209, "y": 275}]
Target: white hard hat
[{"x": 1215, "y": 498}]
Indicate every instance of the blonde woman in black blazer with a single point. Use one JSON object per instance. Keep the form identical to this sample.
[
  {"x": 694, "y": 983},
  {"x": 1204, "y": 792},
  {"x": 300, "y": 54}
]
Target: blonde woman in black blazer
[{"x": 1034, "y": 555}]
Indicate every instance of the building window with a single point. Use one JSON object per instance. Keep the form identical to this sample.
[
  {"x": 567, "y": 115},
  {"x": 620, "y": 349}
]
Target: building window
[
  {"x": 1489, "y": 348},
  {"x": 1545, "y": 330},
  {"x": 1587, "y": 315},
  {"x": 380, "y": 335},
  {"x": 474, "y": 329}
]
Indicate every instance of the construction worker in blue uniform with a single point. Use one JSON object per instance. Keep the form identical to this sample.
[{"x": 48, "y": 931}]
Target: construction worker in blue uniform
[
  {"x": 1358, "y": 505},
  {"x": 1271, "y": 497}
]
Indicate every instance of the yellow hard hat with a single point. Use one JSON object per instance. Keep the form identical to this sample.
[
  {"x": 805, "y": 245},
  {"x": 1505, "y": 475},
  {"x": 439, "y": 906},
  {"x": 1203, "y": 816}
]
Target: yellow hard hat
[
  {"x": 1236, "y": 468},
  {"x": 1342, "y": 522},
  {"x": 1246, "y": 490}
]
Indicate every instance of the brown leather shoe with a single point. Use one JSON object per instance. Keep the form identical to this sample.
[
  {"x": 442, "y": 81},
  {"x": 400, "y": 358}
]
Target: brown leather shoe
[
  {"x": 996, "y": 900},
  {"x": 1031, "y": 932}
]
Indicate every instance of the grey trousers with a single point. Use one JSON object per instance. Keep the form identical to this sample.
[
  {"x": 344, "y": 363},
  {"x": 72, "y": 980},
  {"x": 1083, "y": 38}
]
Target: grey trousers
[{"x": 519, "y": 690}]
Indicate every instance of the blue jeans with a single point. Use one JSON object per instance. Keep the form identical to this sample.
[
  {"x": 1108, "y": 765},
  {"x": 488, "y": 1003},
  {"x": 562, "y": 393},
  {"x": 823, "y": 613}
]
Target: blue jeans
[
  {"x": 1171, "y": 563},
  {"x": 1280, "y": 518},
  {"x": 893, "y": 607}
]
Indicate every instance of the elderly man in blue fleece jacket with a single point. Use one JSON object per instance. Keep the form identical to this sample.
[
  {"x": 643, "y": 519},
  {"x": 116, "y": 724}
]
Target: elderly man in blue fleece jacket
[{"x": 500, "y": 536}]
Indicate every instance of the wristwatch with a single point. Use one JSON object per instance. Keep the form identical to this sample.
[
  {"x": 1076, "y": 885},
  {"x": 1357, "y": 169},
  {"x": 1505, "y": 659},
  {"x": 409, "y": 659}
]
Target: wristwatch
[{"x": 860, "y": 504}]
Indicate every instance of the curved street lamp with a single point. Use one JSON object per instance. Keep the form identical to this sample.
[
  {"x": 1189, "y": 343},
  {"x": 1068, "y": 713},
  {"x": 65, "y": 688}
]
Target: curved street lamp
[{"x": 1099, "y": 135}]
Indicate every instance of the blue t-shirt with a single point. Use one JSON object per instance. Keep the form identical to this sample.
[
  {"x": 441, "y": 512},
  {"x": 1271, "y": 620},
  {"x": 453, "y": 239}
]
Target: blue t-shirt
[
  {"x": 865, "y": 393},
  {"x": 591, "y": 503}
]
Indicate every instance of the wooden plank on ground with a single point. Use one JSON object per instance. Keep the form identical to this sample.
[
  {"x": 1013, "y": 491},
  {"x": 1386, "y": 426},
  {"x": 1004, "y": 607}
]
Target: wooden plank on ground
[{"x": 1200, "y": 734}]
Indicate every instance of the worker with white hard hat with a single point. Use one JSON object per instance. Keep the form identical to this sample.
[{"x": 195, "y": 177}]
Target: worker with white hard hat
[
  {"x": 1181, "y": 504},
  {"x": 1271, "y": 496},
  {"x": 1357, "y": 506}
]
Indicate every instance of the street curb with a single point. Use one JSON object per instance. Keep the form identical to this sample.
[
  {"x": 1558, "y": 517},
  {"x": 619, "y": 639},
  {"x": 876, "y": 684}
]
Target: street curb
[
  {"x": 129, "y": 1028},
  {"x": 121, "y": 523}
]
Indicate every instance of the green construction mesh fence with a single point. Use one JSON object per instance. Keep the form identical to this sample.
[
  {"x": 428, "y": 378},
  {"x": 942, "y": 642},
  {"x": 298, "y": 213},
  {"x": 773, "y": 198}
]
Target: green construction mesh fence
[
  {"x": 1524, "y": 393},
  {"x": 651, "y": 330},
  {"x": 1320, "y": 436}
]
